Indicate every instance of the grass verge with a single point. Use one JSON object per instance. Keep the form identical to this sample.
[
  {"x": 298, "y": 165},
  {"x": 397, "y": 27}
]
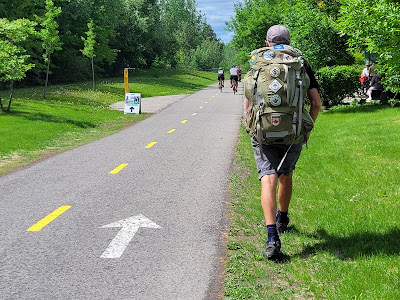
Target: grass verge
[
  {"x": 343, "y": 241},
  {"x": 74, "y": 114}
]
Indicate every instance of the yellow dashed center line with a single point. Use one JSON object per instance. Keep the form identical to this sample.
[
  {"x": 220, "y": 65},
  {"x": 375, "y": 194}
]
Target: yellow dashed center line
[
  {"x": 201, "y": 107},
  {"x": 194, "y": 114},
  {"x": 206, "y": 102},
  {"x": 46, "y": 220},
  {"x": 151, "y": 144},
  {"x": 117, "y": 169},
  {"x": 184, "y": 121},
  {"x": 171, "y": 131}
]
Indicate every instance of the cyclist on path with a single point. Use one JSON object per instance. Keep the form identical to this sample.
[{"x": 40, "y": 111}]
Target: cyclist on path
[
  {"x": 221, "y": 75},
  {"x": 233, "y": 74}
]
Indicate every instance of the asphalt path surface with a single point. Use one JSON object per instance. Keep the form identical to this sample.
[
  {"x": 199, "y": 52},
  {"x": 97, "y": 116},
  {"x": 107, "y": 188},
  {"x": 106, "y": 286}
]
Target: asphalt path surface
[{"x": 152, "y": 230}]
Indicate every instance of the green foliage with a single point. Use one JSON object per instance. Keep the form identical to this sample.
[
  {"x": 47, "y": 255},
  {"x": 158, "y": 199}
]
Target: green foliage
[
  {"x": 140, "y": 34},
  {"x": 359, "y": 58},
  {"x": 315, "y": 34},
  {"x": 374, "y": 26},
  {"x": 184, "y": 31},
  {"x": 312, "y": 29},
  {"x": 49, "y": 32},
  {"x": 394, "y": 102},
  {"x": 229, "y": 58},
  {"x": 13, "y": 64},
  {"x": 250, "y": 24},
  {"x": 20, "y": 9},
  {"x": 89, "y": 41},
  {"x": 208, "y": 55},
  {"x": 323, "y": 30},
  {"x": 88, "y": 49},
  {"x": 337, "y": 83},
  {"x": 329, "y": 7},
  {"x": 13, "y": 60},
  {"x": 129, "y": 33},
  {"x": 16, "y": 31},
  {"x": 49, "y": 35}
]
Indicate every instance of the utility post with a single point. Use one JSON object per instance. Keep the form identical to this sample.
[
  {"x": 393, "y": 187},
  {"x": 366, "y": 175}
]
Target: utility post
[{"x": 126, "y": 79}]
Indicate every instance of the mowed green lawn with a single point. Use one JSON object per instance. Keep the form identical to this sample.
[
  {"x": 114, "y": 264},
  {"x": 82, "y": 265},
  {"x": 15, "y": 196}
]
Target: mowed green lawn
[
  {"x": 344, "y": 241},
  {"x": 74, "y": 114}
]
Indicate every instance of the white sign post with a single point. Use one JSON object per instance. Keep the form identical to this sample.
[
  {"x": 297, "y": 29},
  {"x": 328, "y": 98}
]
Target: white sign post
[{"x": 133, "y": 103}]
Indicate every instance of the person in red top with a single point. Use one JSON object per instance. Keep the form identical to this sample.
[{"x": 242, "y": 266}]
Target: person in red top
[{"x": 239, "y": 74}]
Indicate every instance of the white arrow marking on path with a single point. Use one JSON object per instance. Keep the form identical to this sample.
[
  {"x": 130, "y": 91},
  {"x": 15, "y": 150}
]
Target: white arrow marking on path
[{"x": 129, "y": 227}]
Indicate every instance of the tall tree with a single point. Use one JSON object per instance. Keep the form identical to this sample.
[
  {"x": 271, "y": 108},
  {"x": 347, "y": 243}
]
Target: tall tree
[
  {"x": 13, "y": 60},
  {"x": 250, "y": 22},
  {"x": 49, "y": 35},
  {"x": 312, "y": 29},
  {"x": 136, "y": 33},
  {"x": 88, "y": 49},
  {"x": 71, "y": 65},
  {"x": 314, "y": 32},
  {"x": 208, "y": 55},
  {"x": 182, "y": 28},
  {"x": 139, "y": 33}
]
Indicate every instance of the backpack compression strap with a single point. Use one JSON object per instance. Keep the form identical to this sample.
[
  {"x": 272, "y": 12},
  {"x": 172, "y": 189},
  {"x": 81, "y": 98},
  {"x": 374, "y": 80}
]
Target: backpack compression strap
[
  {"x": 297, "y": 121},
  {"x": 259, "y": 135}
]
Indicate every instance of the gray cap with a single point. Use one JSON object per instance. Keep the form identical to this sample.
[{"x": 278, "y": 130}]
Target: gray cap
[{"x": 278, "y": 34}]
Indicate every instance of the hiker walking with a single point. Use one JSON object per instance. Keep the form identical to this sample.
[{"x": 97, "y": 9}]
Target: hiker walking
[{"x": 275, "y": 87}]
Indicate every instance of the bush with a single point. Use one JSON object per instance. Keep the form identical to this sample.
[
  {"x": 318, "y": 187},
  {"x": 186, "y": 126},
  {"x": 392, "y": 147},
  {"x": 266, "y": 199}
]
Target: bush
[
  {"x": 394, "y": 102},
  {"x": 337, "y": 83}
]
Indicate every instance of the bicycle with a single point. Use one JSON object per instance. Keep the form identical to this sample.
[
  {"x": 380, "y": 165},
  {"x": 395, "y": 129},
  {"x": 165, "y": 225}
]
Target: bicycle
[
  {"x": 220, "y": 84},
  {"x": 234, "y": 85}
]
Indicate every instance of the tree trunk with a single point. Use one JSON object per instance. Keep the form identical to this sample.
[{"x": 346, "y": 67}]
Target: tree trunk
[
  {"x": 47, "y": 79},
  {"x": 94, "y": 83},
  {"x": 11, "y": 95}
]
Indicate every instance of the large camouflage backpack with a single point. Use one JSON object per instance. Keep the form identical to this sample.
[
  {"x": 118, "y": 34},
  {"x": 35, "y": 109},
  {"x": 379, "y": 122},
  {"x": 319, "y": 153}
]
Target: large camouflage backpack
[{"x": 276, "y": 86}]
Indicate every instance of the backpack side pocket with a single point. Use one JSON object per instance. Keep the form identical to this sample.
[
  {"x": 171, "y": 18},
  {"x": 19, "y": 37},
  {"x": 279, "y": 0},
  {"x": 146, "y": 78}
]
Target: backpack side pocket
[
  {"x": 251, "y": 119},
  {"x": 308, "y": 122}
]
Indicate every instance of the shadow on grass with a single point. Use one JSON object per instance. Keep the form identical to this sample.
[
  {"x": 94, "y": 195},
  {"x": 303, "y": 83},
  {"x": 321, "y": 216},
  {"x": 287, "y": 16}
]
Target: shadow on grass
[
  {"x": 53, "y": 119},
  {"x": 355, "y": 245}
]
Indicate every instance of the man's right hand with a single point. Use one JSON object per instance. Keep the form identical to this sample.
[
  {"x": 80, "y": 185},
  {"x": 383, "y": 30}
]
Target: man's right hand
[{"x": 306, "y": 137}]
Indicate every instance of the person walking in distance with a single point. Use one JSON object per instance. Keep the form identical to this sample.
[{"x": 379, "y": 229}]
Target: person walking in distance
[{"x": 277, "y": 140}]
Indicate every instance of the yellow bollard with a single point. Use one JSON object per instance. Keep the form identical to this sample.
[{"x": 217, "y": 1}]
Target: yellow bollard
[{"x": 126, "y": 81}]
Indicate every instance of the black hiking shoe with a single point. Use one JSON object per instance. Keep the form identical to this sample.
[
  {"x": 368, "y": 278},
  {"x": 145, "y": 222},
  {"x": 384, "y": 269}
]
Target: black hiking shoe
[
  {"x": 281, "y": 227},
  {"x": 281, "y": 224},
  {"x": 272, "y": 251}
]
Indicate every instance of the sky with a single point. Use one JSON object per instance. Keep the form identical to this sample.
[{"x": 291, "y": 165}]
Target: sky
[{"x": 217, "y": 13}]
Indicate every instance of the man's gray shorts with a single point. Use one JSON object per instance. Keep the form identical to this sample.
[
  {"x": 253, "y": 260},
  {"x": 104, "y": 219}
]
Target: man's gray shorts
[{"x": 272, "y": 157}]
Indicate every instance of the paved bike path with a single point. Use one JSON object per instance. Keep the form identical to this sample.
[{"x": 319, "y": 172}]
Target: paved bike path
[{"x": 171, "y": 195}]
